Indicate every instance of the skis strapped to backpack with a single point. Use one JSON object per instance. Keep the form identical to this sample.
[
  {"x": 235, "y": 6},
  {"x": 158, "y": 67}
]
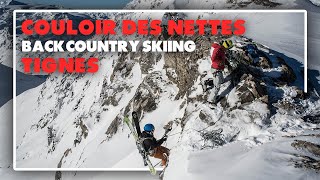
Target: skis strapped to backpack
[
  {"x": 136, "y": 122},
  {"x": 136, "y": 134}
]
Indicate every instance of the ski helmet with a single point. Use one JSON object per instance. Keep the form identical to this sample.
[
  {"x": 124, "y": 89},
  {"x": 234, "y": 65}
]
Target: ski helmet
[
  {"x": 148, "y": 127},
  {"x": 227, "y": 44}
]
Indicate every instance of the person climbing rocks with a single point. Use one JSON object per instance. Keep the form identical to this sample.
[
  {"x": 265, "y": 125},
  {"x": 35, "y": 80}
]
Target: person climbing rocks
[
  {"x": 152, "y": 146},
  {"x": 218, "y": 61}
]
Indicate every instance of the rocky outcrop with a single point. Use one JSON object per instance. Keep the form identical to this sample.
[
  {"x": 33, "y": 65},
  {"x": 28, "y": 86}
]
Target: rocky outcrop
[
  {"x": 205, "y": 117},
  {"x": 305, "y": 161},
  {"x": 58, "y": 174},
  {"x": 251, "y": 89},
  {"x": 184, "y": 65},
  {"x": 122, "y": 67},
  {"x": 146, "y": 60},
  {"x": 110, "y": 97},
  {"x": 148, "y": 92},
  {"x": 266, "y": 3},
  {"x": 264, "y": 63},
  {"x": 185, "y": 71},
  {"x": 307, "y": 146},
  {"x": 84, "y": 131},
  {"x": 113, "y": 127},
  {"x": 116, "y": 85},
  {"x": 287, "y": 73},
  {"x": 245, "y": 58},
  {"x": 186, "y": 4},
  {"x": 312, "y": 118}
]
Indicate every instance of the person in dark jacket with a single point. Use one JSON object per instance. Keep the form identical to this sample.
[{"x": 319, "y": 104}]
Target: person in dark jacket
[{"x": 152, "y": 146}]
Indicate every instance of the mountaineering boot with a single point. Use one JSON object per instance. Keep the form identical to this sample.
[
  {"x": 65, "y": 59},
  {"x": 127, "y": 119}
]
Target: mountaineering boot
[{"x": 167, "y": 159}]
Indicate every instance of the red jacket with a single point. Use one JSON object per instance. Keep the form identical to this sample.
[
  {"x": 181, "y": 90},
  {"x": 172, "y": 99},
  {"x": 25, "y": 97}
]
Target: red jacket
[{"x": 218, "y": 56}]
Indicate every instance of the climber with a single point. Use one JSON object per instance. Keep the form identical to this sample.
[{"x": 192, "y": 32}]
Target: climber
[
  {"x": 218, "y": 61},
  {"x": 152, "y": 146}
]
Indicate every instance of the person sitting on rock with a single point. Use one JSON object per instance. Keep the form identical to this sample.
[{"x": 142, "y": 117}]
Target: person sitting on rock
[
  {"x": 218, "y": 61},
  {"x": 152, "y": 146}
]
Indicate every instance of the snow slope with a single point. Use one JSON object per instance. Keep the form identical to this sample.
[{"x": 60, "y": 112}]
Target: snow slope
[
  {"x": 64, "y": 104},
  {"x": 272, "y": 160},
  {"x": 86, "y": 111}
]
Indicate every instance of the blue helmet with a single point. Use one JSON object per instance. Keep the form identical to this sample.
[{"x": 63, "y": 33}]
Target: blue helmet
[{"x": 148, "y": 127}]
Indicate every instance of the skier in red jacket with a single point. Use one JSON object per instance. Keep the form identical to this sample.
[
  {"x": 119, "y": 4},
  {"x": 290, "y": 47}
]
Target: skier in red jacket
[{"x": 218, "y": 60}]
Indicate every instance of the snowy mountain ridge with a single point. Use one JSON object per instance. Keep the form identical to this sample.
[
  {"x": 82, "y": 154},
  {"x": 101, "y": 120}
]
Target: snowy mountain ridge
[
  {"x": 265, "y": 117},
  {"x": 78, "y": 119},
  {"x": 221, "y": 4}
]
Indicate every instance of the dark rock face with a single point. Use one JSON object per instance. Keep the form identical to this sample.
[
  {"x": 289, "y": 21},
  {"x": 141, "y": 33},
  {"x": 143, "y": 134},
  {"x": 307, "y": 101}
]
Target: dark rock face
[
  {"x": 202, "y": 116},
  {"x": 147, "y": 94},
  {"x": 185, "y": 73},
  {"x": 307, "y": 146},
  {"x": 251, "y": 89},
  {"x": 123, "y": 67},
  {"x": 312, "y": 118},
  {"x": 113, "y": 128},
  {"x": 206, "y": 117},
  {"x": 110, "y": 98},
  {"x": 185, "y": 65},
  {"x": 84, "y": 129},
  {"x": 264, "y": 63},
  {"x": 288, "y": 75},
  {"x": 146, "y": 60},
  {"x": 266, "y": 3},
  {"x": 307, "y": 162},
  {"x": 246, "y": 59}
]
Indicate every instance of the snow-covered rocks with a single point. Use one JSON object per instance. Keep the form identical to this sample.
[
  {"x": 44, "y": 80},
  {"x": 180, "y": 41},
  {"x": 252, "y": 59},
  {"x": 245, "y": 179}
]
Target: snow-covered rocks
[
  {"x": 250, "y": 89},
  {"x": 265, "y": 62},
  {"x": 287, "y": 73},
  {"x": 166, "y": 88}
]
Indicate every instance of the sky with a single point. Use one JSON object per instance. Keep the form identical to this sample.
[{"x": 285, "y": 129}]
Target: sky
[{"x": 94, "y": 4}]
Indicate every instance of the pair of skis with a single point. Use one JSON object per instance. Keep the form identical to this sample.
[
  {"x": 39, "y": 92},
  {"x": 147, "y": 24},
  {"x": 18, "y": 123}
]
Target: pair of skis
[
  {"x": 135, "y": 130},
  {"x": 134, "y": 127}
]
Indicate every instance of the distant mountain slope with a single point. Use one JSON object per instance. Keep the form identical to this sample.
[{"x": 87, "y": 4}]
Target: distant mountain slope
[{"x": 24, "y": 82}]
